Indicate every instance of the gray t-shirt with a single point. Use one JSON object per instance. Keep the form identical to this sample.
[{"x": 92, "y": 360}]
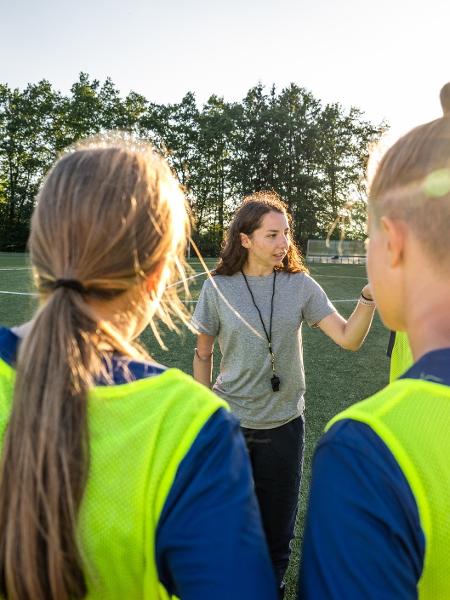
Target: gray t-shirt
[{"x": 245, "y": 368}]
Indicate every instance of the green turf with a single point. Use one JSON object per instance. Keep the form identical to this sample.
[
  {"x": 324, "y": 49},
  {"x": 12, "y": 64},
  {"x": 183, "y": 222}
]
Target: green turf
[{"x": 335, "y": 377}]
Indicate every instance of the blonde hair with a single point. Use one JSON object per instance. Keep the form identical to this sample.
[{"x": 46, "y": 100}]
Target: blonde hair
[
  {"x": 412, "y": 183},
  {"x": 109, "y": 214}
]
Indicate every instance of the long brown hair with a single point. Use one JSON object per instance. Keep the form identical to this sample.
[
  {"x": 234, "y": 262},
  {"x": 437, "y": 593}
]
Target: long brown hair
[
  {"x": 108, "y": 215},
  {"x": 412, "y": 183},
  {"x": 246, "y": 220}
]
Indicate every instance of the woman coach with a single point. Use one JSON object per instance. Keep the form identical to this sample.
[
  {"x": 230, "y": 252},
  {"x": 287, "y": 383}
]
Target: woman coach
[{"x": 255, "y": 305}]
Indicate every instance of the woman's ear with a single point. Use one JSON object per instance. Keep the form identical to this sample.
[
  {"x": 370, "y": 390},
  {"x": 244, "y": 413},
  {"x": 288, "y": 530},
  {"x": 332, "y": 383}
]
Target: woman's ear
[{"x": 245, "y": 240}]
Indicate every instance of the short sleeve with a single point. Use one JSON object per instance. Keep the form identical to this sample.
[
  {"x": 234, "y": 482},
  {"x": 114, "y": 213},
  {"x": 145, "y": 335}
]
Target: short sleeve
[
  {"x": 206, "y": 318},
  {"x": 317, "y": 306}
]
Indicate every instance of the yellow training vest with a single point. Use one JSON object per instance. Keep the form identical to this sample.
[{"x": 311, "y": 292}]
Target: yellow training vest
[
  {"x": 401, "y": 357},
  {"x": 139, "y": 432},
  {"x": 412, "y": 417}
]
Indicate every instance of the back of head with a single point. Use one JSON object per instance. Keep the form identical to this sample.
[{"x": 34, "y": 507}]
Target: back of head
[
  {"x": 108, "y": 215},
  {"x": 412, "y": 183}
]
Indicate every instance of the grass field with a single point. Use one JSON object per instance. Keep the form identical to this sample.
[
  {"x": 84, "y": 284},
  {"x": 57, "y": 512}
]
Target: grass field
[{"x": 335, "y": 378}]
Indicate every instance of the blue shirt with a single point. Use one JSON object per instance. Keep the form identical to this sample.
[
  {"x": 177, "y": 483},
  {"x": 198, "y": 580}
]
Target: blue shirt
[
  {"x": 209, "y": 540},
  {"x": 363, "y": 538}
]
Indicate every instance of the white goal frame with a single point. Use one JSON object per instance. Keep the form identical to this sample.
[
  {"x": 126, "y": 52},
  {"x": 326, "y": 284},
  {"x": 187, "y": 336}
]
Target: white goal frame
[{"x": 336, "y": 251}]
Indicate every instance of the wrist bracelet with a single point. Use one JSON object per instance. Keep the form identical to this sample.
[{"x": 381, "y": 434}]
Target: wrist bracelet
[
  {"x": 366, "y": 301},
  {"x": 203, "y": 359}
]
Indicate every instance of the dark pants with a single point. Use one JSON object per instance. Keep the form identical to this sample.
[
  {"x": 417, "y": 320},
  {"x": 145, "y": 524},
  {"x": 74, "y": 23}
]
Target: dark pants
[{"x": 276, "y": 456}]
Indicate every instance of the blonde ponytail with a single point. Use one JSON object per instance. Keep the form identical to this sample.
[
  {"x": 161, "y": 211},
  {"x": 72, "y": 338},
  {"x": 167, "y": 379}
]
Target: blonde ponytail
[{"x": 108, "y": 216}]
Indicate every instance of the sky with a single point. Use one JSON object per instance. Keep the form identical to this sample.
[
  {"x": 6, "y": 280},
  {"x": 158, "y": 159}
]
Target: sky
[{"x": 387, "y": 57}]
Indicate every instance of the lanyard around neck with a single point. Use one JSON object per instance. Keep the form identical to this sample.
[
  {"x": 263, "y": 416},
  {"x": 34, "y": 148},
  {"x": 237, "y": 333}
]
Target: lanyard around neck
[{"x": 268, "y": 334}]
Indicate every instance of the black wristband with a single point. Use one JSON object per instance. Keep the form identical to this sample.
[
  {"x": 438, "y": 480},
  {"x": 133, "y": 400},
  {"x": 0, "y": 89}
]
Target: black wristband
[{"x": 368, "y": 299}]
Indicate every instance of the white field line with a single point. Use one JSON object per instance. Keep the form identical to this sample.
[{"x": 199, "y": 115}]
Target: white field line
[
  {"x": 204, "y": 273},
  {"x": 33, "y": 294},
  {"x": 187, "y": 279},
  {"x": 18, "y": 293},
  {"x": 180, "y": 282},
  {"x": 28, "y": 268},
  {"x": 184, "y": 301}
]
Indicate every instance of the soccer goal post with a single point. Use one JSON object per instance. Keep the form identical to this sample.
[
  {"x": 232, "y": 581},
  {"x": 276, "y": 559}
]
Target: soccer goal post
[{"x": 340, "y": 251}]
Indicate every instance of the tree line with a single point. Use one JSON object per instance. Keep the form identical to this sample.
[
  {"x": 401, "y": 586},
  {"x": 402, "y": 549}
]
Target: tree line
[{"x": 313, "y": 155}]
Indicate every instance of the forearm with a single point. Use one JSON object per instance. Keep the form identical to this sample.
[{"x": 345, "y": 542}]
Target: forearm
[
  {"x": 350, "y": 334},
  {"x": 357, "y": 326},
  {"x": 202, "y": 369}
]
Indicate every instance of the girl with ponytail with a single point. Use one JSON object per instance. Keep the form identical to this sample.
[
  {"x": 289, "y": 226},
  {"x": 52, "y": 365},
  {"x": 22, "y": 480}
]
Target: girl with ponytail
[
  {"x": 119, "y": 478},
  {"x": 377, "y": 525}
]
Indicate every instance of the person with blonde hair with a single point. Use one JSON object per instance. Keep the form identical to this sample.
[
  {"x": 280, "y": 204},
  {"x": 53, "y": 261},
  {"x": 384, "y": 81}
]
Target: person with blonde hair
[
  {"x": 119, "y": 479},
  {"x": 255, "y": 305},
  {"x": 377, "y": 523}
]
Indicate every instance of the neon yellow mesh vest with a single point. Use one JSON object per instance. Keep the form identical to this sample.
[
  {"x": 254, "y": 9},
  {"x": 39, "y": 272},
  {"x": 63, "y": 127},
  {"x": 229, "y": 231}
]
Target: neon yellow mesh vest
[
  {"x": 139, "y": 434},
  {"x": 412, "y": 417},
  {"x": 401, "y": 357}
]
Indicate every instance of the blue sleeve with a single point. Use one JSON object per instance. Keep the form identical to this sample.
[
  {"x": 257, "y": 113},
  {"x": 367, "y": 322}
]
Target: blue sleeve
[
  {"x": 363, "y": 537},
  {"x": 210, "y": 541}
]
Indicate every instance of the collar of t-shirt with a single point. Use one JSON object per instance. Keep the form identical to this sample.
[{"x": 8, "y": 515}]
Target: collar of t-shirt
[
  {"x": 121, "y": 370},
  {"x": 433, "y": 366}
]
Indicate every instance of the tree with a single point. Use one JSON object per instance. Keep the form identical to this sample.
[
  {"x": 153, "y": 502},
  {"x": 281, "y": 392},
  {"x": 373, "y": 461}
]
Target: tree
[
  {"x": 344, "y": 149},
  {"x": 82, "y": 110},
  {"x": 313, "y": 156},
  {"x": 295, "y": 115},
  {"x": 27, "y": 150}
]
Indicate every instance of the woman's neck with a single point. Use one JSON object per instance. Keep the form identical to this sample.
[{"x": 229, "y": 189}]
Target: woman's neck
[{"x": 256, "y": 269}]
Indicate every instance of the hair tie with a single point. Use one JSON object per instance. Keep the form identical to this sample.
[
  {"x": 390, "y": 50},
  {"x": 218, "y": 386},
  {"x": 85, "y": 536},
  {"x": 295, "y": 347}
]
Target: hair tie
[{"x": 71, "y": 284}]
